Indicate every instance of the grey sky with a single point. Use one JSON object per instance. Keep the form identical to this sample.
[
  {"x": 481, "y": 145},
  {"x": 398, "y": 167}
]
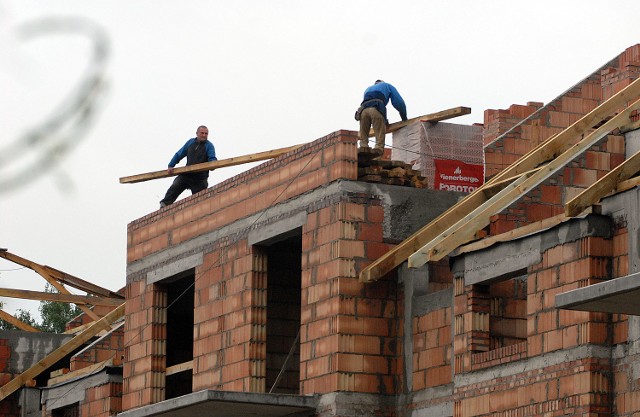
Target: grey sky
[{"x": 261, "y": 75}]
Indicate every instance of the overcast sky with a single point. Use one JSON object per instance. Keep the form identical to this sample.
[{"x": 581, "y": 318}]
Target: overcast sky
[{"x": 261, "y": 75}]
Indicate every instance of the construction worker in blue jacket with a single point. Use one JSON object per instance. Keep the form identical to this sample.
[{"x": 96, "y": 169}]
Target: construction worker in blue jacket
[
  {"x": 374, "y": 112},
  {"x": 197, "y": 150}
]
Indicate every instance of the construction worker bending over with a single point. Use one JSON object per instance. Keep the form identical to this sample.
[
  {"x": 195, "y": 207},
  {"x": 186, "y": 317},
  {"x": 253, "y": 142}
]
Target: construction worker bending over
[
  {"x": 197, "y": 150},
  {"x": 373, "y": 112}
]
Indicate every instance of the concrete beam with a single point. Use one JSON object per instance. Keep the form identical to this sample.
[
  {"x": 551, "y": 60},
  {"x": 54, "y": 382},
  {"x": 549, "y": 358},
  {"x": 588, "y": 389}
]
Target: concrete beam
[{"x": 620, "y": 295}]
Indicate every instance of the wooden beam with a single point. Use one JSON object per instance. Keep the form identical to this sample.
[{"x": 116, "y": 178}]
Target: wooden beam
[
  {"x": 61, "y": 298},
  {"x": 627, "y": 185},
  {"x": 603, "y": 186},
  {"x": 465, "y": 229},
  {"x": 44, "y": 273},
  {"x": 87, "y": 370},
  {"x": 181, "y": 367},
  {"x": 208, "y": 166},
  {"x": 629, "y": 127},
  {"x": 528, "y": 229},
  {"x": 545, "y": 151},
  {"x": 60, "y": 276},
  {"x": 42, "y": 365},
  {"x": 18, "y": 323},
  {"x": 432, "y": 117},
  {"x": 81, "y": 284}
]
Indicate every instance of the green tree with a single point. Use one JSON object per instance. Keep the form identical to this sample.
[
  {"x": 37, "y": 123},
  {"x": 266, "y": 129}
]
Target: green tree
[
  {"x": 22, "y": 315},
  {"x": 55, "y": 315}
]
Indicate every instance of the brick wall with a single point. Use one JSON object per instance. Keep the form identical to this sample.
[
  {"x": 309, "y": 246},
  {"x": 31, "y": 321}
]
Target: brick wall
[
  {"x": 511, "y": 133},
  {"x": 549, "y": 372},
  {"x": 8, "y": 406},
  {"x": 348, "y": 330}
]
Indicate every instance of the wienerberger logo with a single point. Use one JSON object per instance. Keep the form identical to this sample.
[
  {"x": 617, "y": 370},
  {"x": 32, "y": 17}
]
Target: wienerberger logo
[
  {"x": 457, "y": 171},
  {"x": 459, "y": 177}
]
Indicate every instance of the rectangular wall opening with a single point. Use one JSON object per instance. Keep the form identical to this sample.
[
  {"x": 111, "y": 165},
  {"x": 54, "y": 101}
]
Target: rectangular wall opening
[
  {"x": 508, "y": 312},
  {"x": 180, "y": 323},
  {"x": 284, "y": 265}
]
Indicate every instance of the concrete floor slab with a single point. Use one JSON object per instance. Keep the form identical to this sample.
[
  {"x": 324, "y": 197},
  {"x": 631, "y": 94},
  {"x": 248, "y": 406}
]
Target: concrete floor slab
[
  {"x": 229, "y": 404},
  {"x": 620, "y": 295}
]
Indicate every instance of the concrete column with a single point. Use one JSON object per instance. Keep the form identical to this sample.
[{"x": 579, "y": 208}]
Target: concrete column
[{"x": 416, "y": 283}]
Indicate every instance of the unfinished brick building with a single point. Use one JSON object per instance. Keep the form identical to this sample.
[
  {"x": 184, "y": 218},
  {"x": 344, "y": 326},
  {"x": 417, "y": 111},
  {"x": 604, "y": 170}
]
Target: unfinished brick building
[{"x": 297, "y": 288}]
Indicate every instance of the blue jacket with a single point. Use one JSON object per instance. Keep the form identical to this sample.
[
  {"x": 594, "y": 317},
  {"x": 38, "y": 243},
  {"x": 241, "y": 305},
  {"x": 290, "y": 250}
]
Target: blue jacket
[
  {"x": 384, "y": 91},
  {"x": 211, "y": 153},
  {"x": 195, "y": 155}
]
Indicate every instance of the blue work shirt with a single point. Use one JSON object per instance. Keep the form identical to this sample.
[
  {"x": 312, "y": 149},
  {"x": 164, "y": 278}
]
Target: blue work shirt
[
  {"x": 210, "y": 150},
  {"x": 385, "y": 92}
]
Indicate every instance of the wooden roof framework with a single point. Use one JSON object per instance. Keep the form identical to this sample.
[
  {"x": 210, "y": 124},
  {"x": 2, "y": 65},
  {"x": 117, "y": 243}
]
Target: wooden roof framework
[{"x": 96, "y": 295}]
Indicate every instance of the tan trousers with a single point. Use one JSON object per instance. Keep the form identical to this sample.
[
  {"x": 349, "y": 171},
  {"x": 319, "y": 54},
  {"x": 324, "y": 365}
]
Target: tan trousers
[{"x": 372, "y": 117}]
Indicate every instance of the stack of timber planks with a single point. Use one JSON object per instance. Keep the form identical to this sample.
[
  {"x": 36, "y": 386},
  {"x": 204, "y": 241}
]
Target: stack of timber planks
[{"x": 373, "y": 168}]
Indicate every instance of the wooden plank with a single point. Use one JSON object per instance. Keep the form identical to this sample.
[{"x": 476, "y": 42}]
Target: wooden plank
[
  {"x": 603, "y": 186},
  {"x": 42, "y": 365},
  {"x": 531, "y": 228},
  {"x": 181, "y": 367},
  {"x": 545, "y": 151},
  {"x": 209, "y": 166},
  {"x": 432, "y": 117},
  {"x": 464, "y": 230},
  {"x": 18, "y": 323},
  {"x": 61, "y": 298},
  {"x": 87, "y": 370}
]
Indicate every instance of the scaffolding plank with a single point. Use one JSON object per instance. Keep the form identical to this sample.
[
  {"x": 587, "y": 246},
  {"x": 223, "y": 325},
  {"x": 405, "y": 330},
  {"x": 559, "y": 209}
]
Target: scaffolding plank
[
  {"x": 603, "y": 186},
  {"x": 35, "y": 370},
  {"x": 432, "y": 117},
  {"x": 209, "y": 166}
]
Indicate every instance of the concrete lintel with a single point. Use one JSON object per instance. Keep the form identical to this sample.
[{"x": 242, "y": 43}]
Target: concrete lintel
[
  {"x": 508, "y": 258},
  {"x": 273, "y": 232},
  {"x": 619, "y": 295},
  {"x": 174, "y": 268},
  {"x": 431, "y": 302},
  {"x": 229, "y": 404}
]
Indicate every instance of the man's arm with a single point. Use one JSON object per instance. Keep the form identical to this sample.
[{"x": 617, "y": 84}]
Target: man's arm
[
  {"x": 182, "y": 152},
  {"x": 211, "y": 152},
  {"x": 398, "y": 102}
]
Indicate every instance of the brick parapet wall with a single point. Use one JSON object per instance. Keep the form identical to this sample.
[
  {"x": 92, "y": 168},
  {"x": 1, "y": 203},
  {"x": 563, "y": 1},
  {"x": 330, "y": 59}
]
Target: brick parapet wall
[{"x": 312, "y": 165}]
